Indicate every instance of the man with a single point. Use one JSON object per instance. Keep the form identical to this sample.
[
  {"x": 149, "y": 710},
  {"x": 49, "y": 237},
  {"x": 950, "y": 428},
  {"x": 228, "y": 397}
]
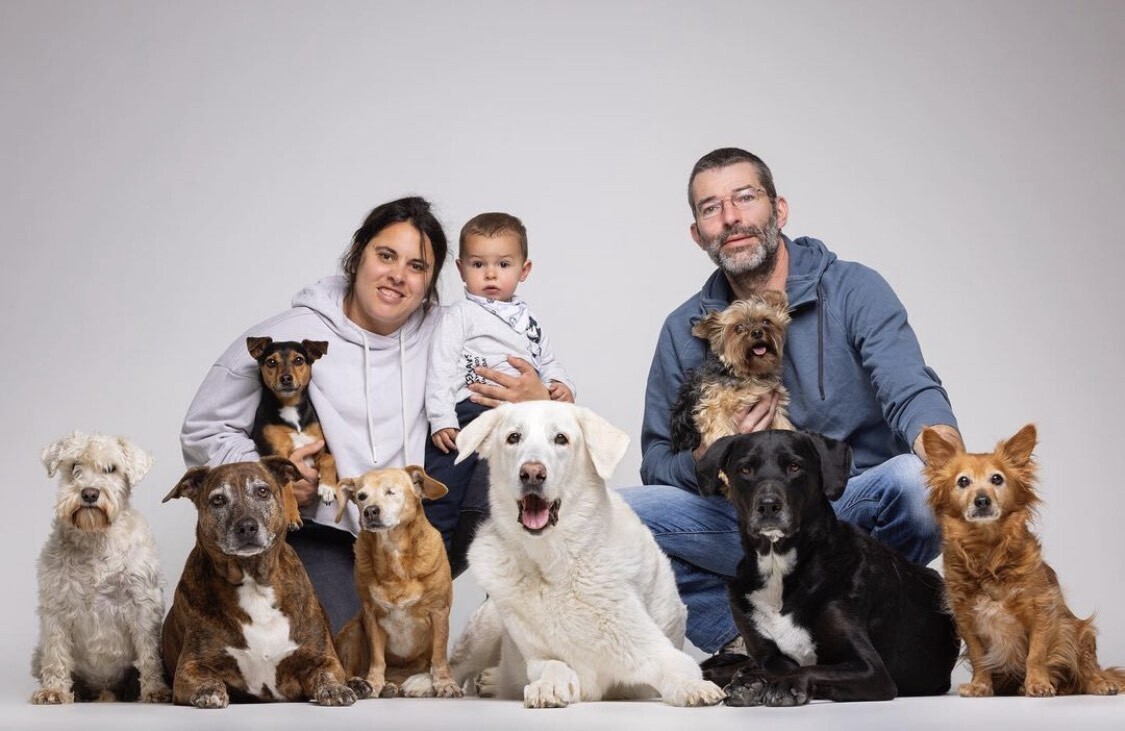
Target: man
[{"x": 852, "y": 366}]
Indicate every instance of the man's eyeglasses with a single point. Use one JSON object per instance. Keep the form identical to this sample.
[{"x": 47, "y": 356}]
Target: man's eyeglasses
[{"x": 742, "y": 199}]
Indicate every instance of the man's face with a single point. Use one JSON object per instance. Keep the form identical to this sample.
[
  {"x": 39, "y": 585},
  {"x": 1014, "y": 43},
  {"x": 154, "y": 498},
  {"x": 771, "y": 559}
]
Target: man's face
[{"x": 739, "y": 241}]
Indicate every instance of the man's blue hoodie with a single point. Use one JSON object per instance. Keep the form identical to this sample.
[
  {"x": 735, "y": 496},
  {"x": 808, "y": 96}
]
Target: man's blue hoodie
[{"x": 852, "y": 365}]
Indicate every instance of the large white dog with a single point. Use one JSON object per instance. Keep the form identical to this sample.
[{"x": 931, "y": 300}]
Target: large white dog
[{"x": 582, "y": 605}]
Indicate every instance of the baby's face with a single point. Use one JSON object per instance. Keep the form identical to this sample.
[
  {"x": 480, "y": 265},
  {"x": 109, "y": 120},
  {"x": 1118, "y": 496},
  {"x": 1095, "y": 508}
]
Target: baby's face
[{"x": 493, "y": 266}]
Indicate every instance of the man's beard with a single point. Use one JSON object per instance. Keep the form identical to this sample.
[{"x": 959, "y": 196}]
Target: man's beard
[{"x": 750, "y": 259}]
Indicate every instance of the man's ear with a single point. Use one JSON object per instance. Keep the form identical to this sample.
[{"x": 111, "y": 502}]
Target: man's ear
[
  {"x": 835, "y": 464},
  {"x": 710, "y": 475},
  {"x": 425, "y": 486},
  {"x": 472, "y": 437},
  {"x": 257, "y": 346},
  {"x": 189, "y": 485}
]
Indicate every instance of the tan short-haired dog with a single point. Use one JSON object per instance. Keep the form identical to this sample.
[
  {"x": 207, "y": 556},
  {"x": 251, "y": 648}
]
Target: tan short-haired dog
[
  {"x": 403, "y": 580},
  {"x": 743, "y": 366}
]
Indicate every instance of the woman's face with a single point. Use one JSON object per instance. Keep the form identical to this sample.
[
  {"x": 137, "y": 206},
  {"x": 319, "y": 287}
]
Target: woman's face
[{"x": 391, "y": 280}]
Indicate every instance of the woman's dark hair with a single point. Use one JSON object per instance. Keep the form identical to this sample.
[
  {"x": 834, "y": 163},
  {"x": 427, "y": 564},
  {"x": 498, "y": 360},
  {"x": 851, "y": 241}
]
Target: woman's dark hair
[{"x": 416, "y": 211}]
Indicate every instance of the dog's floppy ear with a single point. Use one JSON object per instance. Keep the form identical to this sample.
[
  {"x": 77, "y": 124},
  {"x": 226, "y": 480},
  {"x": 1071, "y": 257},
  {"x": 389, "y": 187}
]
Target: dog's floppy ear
[
  {"x": 282, "y": 469},
  {"x": 605, "y": 442},
  {"x": 189, "y": 485},
  {"x": 61, "y": 450},
  {"x": 708, "y": 326},
  {"x": 710, "y": 477},
  {"x": 315, "y": 348},
  {"x": 257, "y": 346},
  {"x": 938, "y": 449},
  {"x": 472, "y": 437},
  {"x": 425, "y": 486},
  {"x": 1018, "y": 449},
  {"x": 137, "y": 461},
  {"x": 835, "y": 464},
  {"x": 345, "y": 490}
]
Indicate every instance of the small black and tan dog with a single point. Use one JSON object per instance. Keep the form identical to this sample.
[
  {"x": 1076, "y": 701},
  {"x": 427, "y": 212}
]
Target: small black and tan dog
[
  {"x": 742, "y": 367},
  {"x": 286, "y": 419},
  {"x": 826, "y": 611}
]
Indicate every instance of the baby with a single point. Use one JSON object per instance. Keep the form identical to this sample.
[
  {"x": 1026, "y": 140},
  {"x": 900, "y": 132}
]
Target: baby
[{"x": 490, "y": 324}]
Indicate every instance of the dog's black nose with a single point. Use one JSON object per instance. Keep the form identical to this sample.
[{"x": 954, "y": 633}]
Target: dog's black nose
[
  {"x": 756, "y": 334},
  {"x": 533, "y": 474},
  {"x": 769, "y": 505},
  {"x": 90, "y": 495},
  {"x": 371, "y": 512},
  {"x": 287, "y": 380},
  {"x": 982, "y": 501},
  {"x": 246, "y": 528}
]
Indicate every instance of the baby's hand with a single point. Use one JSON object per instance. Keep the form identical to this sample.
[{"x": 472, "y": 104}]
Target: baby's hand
[
  {"x": 560, "y": 392},
  {"x": 446, "y": 439}
]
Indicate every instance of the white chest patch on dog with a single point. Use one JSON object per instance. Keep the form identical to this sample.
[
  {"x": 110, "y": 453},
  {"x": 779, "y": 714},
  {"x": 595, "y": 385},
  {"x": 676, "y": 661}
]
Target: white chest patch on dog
[
  {"x": 790, "y": 638},
  {"x": 289, "y": 415},
  {"x": 400, "y": 632},
  {"x": 267, "y": 638}
]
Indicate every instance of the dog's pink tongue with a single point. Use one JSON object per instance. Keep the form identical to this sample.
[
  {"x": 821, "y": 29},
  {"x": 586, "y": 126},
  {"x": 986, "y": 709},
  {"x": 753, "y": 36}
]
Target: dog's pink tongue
[
  {"x": 535, "y": 513},
  {"x": 760, "y": 350}
]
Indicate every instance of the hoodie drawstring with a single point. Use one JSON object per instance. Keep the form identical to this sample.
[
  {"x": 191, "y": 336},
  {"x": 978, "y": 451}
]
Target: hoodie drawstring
[
  {"x": 820, "y": 339},
  {"x": 402, "y": 394},
  {"x": 367, "y": 392}
]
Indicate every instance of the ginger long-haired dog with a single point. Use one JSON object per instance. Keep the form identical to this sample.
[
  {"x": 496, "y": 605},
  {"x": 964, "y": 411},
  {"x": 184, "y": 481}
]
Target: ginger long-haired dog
[
  {"x": 1019, "y": 634},
  {"x": 742, "y": 367}
]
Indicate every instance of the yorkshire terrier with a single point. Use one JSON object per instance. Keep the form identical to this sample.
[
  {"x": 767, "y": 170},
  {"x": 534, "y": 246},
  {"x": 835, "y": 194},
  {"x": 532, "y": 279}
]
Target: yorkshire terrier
[
  {"x": 742, "y": 367},
  {"x": 1020, "y": 636}
]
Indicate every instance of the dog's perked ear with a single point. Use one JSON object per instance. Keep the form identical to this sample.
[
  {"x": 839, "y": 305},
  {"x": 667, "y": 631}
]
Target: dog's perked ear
[
  {"x": 939, "y": 450},
  {"x": 777, "y": 300},
  {"x": 708, "y": 326},
  {"x": 1018, "y": 449},
  {"x": 835, "y": 464},
  {"x": 189, "y": 485},
  {"x": 425, "y": 486},
  {"x": 315, "y": 348},
  {"x": 257, "y": 346},
  {"x": 137, "y": 461},
  {"x": 605, "y": 443},
  {"x": 472, "y": 437},
  {"x": 282, "y": 469},
  {"x": 710, "y": 477}
]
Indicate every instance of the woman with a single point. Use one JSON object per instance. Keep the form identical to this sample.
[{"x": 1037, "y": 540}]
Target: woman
[{"x": 368, "y": 390}]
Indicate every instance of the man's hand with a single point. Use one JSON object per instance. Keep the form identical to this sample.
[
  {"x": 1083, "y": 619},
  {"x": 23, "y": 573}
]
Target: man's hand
[
  {"x": 560, "y": 392},
  {"x": 304, "y": 490},
  {"x": 446, "y": 439},
  {"x": 754, "y": 418},
  {"x": 946, "y": 431},
  {"x": 509, "y": 389}
]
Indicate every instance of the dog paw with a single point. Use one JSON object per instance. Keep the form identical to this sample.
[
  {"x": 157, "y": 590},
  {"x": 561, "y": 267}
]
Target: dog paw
[
  {"x": 694, "y": 693},
  {"x": 52, "y": 697},
  {"x": 383, "y": 689},
  {"x": 447, "y": 689},
  {"x": 326, "y": 493},
  {"x": 557, "y": 687},
  {"x": 210, "y": 697},
  {"x": 746, "y": 689},
  {"x": 1039, "y": 689},
  {"x": 420, "y": 685},
  {"x": 487, "y": 682},
  {"x": 786, "y": 692},
  {"x": 360, "y": 687},
  {"x": 156, "y": 694},
  {"x": 334, "y": 694},
  {"x": 1101, "y": 686},
  {"x": 975, "y": 690}
]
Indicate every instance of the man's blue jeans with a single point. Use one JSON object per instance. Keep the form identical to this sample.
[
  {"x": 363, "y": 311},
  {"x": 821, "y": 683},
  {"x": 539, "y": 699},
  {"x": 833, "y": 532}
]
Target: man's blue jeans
[{"x": 700, "y": 535}]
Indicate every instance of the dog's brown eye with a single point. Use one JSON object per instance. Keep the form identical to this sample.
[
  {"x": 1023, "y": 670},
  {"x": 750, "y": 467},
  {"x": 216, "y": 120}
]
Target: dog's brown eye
[
  {"x": 561, "y": 439},
  {"x": 218, "y": 501},
  {"x": 997, "y": 479},
  {"x": 745, "y": 470},
  {"x": 110, "y": 470},
  {"x": 794, "y": 466},
  {"x": 361, "y": 497},
  {"x": 298, "y": 360},
  {"x": 76, "y": 470},
  {"x": 271, "y": 363},
  {"x": 514, "y": 438},
  {"x": 963, "y": 481},
  {"x": 262, "y": 491}
]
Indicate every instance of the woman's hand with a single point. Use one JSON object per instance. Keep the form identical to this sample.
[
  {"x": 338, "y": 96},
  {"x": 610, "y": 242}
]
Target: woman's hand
[
  {"x": 446, "y": 439},
  {"x": 509, "y": 389},
  {"x": 304, "y": 490}
]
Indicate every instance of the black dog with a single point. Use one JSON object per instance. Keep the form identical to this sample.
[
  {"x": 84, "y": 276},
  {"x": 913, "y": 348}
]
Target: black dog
[{"x": 826, "y": 611}]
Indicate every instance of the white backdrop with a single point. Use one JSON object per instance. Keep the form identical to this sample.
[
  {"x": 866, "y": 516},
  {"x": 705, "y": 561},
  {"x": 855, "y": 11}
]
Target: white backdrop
[{"x": 173, "y": 172}]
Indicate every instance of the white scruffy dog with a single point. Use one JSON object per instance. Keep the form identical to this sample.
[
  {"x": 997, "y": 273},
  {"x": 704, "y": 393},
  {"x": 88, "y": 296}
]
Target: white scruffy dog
[
  {"x": 100, "y": 598},
  {"x": 582, "y": 605}
]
